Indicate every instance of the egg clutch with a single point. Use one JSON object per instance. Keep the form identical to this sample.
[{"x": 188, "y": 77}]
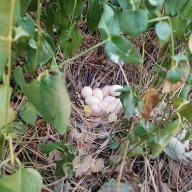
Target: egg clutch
[{"x": 102, "y": 101}]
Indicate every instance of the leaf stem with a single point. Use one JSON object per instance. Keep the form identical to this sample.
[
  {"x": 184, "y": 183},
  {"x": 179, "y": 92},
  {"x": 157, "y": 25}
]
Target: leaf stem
[{"x": 82, "y": 53}]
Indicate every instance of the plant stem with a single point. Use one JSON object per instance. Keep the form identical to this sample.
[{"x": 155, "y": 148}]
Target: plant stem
[
  {"x": 11, "y": 152},
  {"x": 172, "y": 44},
  {"x": 9, "y": 76},
  {"x": 82, "y": 53},
  {"x": 38, "y": 31},
  {"x": 158, "y": 19},
  {"x": 141, "y": 66}
]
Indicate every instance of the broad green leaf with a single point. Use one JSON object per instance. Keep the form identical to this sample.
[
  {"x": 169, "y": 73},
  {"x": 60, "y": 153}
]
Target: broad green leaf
[
  {"x": 144, "y": 131},
  {"x": 129, "y": 104},
  {"x": 24, "y": 6},
  {"x": 163, "y": 31},
  {"x": 51, "y": 99},
  {"x": 133, "y": 22},
  {"x": 111, "y": 186},
  {"x": 185, "y": 91},
  {"x": 49, "y": 147},
  {"x": 40, "y": 56},
  {"x": 173, "y": 8},
  {"x": 179, "y": 26},
  {"x": 24, "y": 180},
  {"x": 25, "y": 29},
  {"x": 93, "y": 15},
  {"x": 3, "y": 107},
  {"x": 175, "y": 149},
  {"x": 186, "y": 12},
  {"x": 123, "y": 4},
  {"x": 71, "y": 9},
  {"x": 5, "y": 19},
  {"x": 162, "y": 140},
  {"x": 121, "y": 51},
  {"x": 28, "y": 113},
  {"x": 19, "y": 76},
  {"x": 185, "y": 111},
  {"x": 54, "y": 67},
  {"x": 177, "y": 101},
  {"x": 108, "y": 24},
  {"x": 70, "y": 40}
]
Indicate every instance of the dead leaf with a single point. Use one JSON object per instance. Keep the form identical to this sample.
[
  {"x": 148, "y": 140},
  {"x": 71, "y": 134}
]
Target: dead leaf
[
  {"x": 190, "y": 43},
  {"x": 150, "y": 100},
  {"x": 97, "y": 165},
  {"x": 55, "y": 155},
  {"x": 87, "y": 109},
  {"x": 87, "y": 166},
  {"x": 168, "y": 87},
  {"x": 112, "y": 117},
  {"x": 82, "y": 165}
]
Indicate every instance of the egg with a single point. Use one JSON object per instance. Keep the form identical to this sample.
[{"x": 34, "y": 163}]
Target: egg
[
  {"x": 115, "y": 106},
  {"x": 103, "y": 105},
  {"x": 105, "y": 90},
  {"x": 98, "y": 93},
  {"x": 109, "y": 99},
  {"x": 97, "y": 110},
  {"x": 86, "y": 91},
  {"x": 113, "y": 92},
  {"x": 91, "y": 100}
]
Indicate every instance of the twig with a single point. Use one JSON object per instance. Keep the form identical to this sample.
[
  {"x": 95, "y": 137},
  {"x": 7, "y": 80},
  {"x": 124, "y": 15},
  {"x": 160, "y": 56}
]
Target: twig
[{"x": 122, "y": 165}]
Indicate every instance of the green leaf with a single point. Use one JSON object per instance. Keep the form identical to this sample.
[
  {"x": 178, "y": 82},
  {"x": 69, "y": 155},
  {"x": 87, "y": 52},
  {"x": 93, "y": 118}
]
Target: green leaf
[
  {"x": 28, "y": 113},
  {"x": 144, "y": 131},
  {"x": 19, "y": 76},
  {"x": 108, "y": 24},
  {"x": 44, "y": 53},
  {"x": 24, "y": 180},
  {"x": 160, "y": 142},
  {"x": 111, "y": 186},
  {"x": 25, "y": 29},
  {"x": 93, "y": 15},
  {"x": 184, "y": 94},
  {"x": 177, "y": 101},
  {"x": 49, "y": 147},
  {"x": 173, "y": 8},
  {"x": 67, "y": 8},
  {"x": 186, "y": 11},
  {"x": 70, "y": 40},
  {"x": 3, "y": 107},
  {"x": 133, "y": 22},
  {"x": 179, "y": 26},
  {"x": 51, "y": 99},
  {"x": 24, "y": 6},
  {"x": 175, "y": 149},
  {"x": 129, "y": 104},
  {"x": 121, "y": 51},
  {"x": 5, "y": 19},
  {"x": 185, "y": 111},
  {"x": 163, "y": 31},
  {"x": 123, "y": 4}
]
